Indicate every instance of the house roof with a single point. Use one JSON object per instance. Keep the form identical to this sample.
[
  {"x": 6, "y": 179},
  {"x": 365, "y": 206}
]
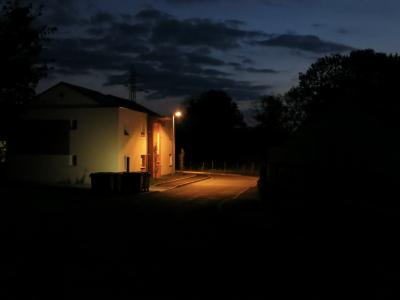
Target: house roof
[{"x": 107, "y": 100}]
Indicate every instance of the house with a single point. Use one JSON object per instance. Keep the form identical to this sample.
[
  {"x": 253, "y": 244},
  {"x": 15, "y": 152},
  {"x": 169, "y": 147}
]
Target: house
[{"x": 69, "y": 132}]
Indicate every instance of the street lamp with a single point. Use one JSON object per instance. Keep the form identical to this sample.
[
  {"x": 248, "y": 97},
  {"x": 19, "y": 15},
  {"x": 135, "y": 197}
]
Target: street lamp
[{"x": 176, "y": 114}]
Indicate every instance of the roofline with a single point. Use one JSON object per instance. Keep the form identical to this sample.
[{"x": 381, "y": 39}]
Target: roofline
[
  {"x": 49, "y": 89},
  {"x": 77, "y": 87}
]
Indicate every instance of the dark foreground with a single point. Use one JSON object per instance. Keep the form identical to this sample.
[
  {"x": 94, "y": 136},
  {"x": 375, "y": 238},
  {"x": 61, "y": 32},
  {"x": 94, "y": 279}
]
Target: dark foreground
[{"x": 68, "y": 244}]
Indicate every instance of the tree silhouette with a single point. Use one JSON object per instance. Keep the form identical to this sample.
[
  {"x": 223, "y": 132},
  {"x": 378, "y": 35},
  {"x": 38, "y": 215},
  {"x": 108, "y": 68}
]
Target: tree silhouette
[
  {"x": 271, "y": 119},
  {"x": 207, "y": 131},
  {"x": 21, "y": 39},
  {"x": 363, "y": 77}
]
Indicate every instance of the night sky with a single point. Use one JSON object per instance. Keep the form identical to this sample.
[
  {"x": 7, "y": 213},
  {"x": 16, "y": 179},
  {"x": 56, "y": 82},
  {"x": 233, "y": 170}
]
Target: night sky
[{"x": 184, "y": 47}]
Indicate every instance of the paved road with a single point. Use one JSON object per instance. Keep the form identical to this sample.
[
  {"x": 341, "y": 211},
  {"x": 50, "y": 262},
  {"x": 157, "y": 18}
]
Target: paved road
[
  {"x": 183, "y": 180},
  {"x": 72, "y": 244},
  {"x": 216, "y": 188}
]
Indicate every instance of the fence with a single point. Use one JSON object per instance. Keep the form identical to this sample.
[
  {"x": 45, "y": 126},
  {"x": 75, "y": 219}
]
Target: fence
[{"x": 242, "y": 168}]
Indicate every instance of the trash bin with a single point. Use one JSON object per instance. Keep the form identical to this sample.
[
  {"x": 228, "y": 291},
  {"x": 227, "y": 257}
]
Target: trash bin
[
  {"x": 117, "y": 179},
  {"x": 131, "y": 182},
  {"x": 120, "y": 182},
  {"x": 102, "y": 182},
  {"x": 145, "y": 181}
]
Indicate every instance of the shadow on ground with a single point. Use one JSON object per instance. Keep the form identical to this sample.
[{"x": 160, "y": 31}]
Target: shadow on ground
[{"x": 70, "y": 243}]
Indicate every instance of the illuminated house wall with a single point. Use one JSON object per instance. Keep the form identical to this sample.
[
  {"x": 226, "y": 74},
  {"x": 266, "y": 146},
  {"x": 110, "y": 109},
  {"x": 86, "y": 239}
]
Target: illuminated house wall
[
  {"x": 166, "y": 150},
  {"x": 132, "y": 140},
  {"x": 71, "y": 132},
  {"x": 160, "y": 147}
]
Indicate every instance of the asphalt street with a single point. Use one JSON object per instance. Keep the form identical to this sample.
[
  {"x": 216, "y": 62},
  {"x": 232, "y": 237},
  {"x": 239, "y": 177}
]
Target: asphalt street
[
  {"x": 203, "y": 190},
  {"x": 74, "y": 243},
  {"x": 211, "y": 238}
]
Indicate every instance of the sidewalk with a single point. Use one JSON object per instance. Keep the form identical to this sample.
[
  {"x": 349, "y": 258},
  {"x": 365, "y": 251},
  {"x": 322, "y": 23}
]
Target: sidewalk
[
  {"x": 170, "y": 178},
  {"x": 173, "y": 181}
]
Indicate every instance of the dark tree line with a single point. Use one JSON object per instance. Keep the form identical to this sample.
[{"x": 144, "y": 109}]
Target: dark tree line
[
  {"x": 364, "y": 78},
  {"x": 210, "y": 129},
  {"x": 22, "y": 39},
  {"x": 213, "y": 127}
]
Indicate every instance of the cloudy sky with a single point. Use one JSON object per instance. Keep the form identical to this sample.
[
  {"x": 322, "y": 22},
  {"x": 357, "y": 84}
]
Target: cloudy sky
[{"x": 184, "y": 47}]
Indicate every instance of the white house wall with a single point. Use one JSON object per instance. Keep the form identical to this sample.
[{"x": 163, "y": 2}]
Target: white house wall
[
  {"x": 166, "y": 148},
  {"x": 132, "y": 138},
  {"x": 94, "y": 143},
  {"x": 101, "y": 141}
]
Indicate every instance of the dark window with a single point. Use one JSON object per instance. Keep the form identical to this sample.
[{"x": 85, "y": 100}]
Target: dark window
[
  {"x": 126, "y": 132},
  {"x": 74, "y": 125},
  {"x": 127, "y": 163},
  {"x": 3, "y": 151},
  {"x": 40, "y": 137},
  {"x": 143, "y": 158},
  {"x": 143, "y": 131}
]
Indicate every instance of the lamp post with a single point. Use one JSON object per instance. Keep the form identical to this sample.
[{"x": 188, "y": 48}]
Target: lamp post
[{"x": 177, "y": 114}]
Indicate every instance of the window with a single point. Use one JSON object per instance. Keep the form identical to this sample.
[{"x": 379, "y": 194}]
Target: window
[
  {"x": 143, "y": 130},
  {"x": 126, "y": 132},
  {"x": 3, "y": 151},
  {"x": 73, "y": 125},
  {"x": 50, "y": 137},
  {"x": 170, "y": 160},
  {"x": 143, "y": 162},
  {"x": 127, "y": 161},
  {"x": 73, "y": 160}
]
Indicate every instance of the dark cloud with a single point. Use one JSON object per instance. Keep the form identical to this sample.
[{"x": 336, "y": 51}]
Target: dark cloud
[
  {"x": 172, "y": 57},
  {"x": 196, "y": 58},
  {"x": 235, "y": 23},
  {"x": 120, "y": 37},
  {"x": 309, "y": 43},
  {"x": 152, "y": 14},
  {"x": 317, "y": 25},
  {"x": 200, "y": 32},
  {"x": 102, "y": 17},
  {"x": 239, "y": 67},
  {"x": 343, "y": 31},
  {"x": 161, "y": 84},
  {"x": 247, "y": 61},
  {"x": 60, "y": 12},
  {"x": 96, "y": 31},
  {"x": 180, "y": 2},
  {"x": 126, "y": 17},
  {"x": 265, "y": 71},
  {"x": 235, "y": 64},
  {"x": 77, "y": 56},
  {"x": 289, "y": 2}
]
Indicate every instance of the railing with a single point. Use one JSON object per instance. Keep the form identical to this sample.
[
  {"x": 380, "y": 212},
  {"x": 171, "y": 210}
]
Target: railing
[{"x": 242, "y": 168}]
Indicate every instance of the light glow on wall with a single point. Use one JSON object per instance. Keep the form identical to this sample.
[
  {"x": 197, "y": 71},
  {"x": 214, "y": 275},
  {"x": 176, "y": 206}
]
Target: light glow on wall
[{"x": 158, "y": 143}]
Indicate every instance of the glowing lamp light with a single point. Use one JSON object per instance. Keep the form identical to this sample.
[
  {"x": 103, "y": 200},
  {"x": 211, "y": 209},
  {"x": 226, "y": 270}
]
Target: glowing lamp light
[{"x": 178, "y": 114}]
